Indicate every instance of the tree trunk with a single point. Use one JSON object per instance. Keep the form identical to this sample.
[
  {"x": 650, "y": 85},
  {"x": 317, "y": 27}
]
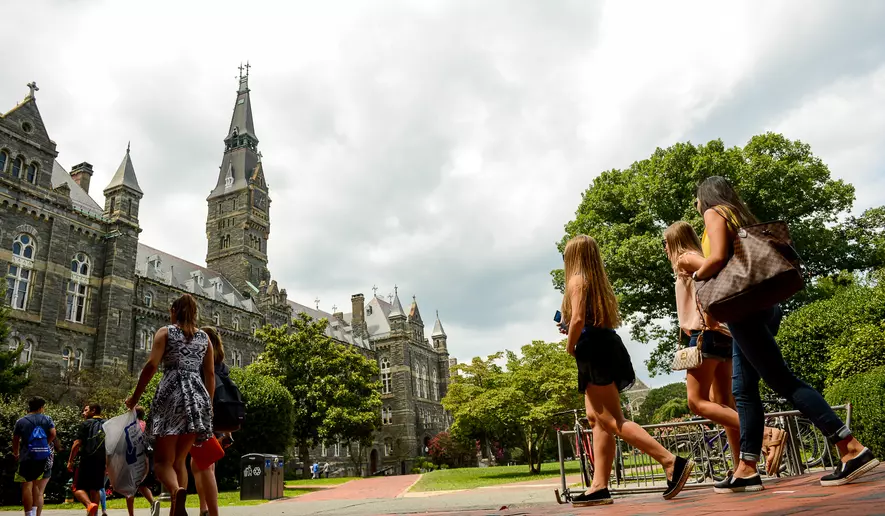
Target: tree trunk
[{"x": 304, "y": 454}]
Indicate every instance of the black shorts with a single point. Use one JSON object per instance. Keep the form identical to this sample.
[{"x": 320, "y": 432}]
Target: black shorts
[
  {"x": 90, "y": 474},
  {"x": 716, "y": 345},
  {"x": 30, "y": 470}
]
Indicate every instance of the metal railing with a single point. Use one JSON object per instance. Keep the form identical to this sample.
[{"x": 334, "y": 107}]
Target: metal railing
[{"x": 806, "y": 451}]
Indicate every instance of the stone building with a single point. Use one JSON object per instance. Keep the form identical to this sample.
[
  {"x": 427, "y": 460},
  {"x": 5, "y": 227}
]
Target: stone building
[{"x": 84, "y": 292}]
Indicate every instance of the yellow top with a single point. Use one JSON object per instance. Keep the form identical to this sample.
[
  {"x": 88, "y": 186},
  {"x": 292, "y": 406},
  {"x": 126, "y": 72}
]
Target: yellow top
[{"x": 705, "y": 242}]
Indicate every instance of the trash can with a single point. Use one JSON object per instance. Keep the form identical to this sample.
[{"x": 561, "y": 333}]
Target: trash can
[{"x": 262, "y": 476}]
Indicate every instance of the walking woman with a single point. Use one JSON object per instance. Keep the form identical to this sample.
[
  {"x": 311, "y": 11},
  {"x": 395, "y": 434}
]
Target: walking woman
[
  {"x": 590, "y": 309},
  {"x": 756, "y": 355},
  {"x": 182, "y": 408},
  {"x": 709, "y": 385},
  {"x": 207, "y": 488}
]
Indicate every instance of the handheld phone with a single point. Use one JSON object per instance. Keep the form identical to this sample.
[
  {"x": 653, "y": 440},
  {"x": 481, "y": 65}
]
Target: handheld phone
[{"x": 557, "y": 317}]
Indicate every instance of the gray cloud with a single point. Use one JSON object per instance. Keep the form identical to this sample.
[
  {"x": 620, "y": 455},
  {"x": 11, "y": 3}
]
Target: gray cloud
[{"x": 440, "y": 146}]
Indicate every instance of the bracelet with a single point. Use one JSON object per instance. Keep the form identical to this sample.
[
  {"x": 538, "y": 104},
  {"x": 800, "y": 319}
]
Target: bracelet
[{"x": 694, "y": 275}]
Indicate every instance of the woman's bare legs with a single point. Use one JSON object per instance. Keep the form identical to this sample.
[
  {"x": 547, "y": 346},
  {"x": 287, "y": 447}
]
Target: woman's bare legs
[
  {"x": 709, "y": 396},
  {"x": 603, "y": 450},
  {"x": 164, "y": 462},
  {"x": 606, "y": 405},
  {"x": 207, "y": 488}
]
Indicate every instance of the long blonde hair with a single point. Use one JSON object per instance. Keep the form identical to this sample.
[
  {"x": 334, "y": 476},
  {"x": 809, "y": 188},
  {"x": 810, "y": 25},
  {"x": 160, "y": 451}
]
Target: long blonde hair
[
  {"x": 681, "y": 238},
  {"x": 582, "y": 258}
]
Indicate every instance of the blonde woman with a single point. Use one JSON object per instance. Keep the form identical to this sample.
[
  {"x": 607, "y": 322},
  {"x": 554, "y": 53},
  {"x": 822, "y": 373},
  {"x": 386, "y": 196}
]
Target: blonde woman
[
  {"x": 590, "y": 310},
  {"x": 708, "y": 385}
]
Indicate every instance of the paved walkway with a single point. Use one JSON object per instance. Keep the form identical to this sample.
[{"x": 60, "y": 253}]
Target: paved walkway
[
  {"x": 375, "y": 487},
  {"x": 785, "y": 496}
]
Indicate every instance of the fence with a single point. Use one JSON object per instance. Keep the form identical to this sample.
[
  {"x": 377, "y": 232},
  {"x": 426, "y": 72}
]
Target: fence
[{"x": 806, "y": 451}]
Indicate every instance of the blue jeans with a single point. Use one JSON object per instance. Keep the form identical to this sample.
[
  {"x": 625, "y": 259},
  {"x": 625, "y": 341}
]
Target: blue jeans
[{"x": 756, "y": 354}]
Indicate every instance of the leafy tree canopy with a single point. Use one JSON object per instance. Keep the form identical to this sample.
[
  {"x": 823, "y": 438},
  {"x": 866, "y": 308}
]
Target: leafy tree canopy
[
  {"x": 656, "y": 399},
  {"x": 334, "y": 387},
  {"x": 626, "y": 211}
]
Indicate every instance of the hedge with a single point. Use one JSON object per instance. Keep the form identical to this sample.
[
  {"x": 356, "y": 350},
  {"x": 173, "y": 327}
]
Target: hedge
[{"x": 866, "y": 393}]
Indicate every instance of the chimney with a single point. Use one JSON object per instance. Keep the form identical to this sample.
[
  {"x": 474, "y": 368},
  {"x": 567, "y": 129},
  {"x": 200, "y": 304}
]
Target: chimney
[
  {"x": 358, "y": 307},
  {"x": 81, "y": 174}
]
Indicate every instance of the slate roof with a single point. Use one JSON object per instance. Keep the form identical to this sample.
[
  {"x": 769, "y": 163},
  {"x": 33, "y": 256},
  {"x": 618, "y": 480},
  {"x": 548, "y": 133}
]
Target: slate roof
[
  {"x": 169, "y": 269},
  {"x": 339, "y": 330},
  {"x": 438, "y": 330},
  {"x": 125, "y": 175},
  {"x": 79, "y": 197}
]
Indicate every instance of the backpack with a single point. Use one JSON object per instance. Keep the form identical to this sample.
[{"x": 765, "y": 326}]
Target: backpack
[
  {"x": 38, "y": 443},
  {"x": 228, "y": 408},
  {"x": 95, "y": 438}
]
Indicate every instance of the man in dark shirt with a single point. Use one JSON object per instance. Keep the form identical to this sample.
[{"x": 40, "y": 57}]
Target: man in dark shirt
[
  {"x": 89, "y": 479},
  {"x": 31, "y": 440}
]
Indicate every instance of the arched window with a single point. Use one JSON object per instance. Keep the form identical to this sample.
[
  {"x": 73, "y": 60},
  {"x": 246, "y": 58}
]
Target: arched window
[
  {"x": 66, "y": 359},
  {"x": 148, "y": 299},
  {"x": 4, "y": 159},
  {"x": 78, "y": 360},
  {"x": 417, "y": 375},
  {"x": 386, "y": 416},
  {"x": 17, "y": 166},
  {"x": 78, "y": 288},
  {"x": 18, "y": 277},
  {"x": 236, "y": 324},
  {"x": 32, "y": 173},
  {"x": 27, "y": 349},
  {"x": 434, "y": 384},
  {"x": 386, "y": 383},
  {"x": 424, "y": 387},
  {"x": 147, "y": 340},
  {"x": 216, "y": 318},
  {"x": 254, "y": 327},
  {"x": 238, "y": 359},
  {"x": 252, "y": 358}
]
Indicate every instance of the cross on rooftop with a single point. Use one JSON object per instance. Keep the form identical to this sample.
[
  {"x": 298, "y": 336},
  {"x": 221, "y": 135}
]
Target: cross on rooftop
[
  {"x": 374, "y": 290},
  {"x": 334, "y": 308},
  {"x": 317, "y": 301},
  {"x": 33, "y": 87}
]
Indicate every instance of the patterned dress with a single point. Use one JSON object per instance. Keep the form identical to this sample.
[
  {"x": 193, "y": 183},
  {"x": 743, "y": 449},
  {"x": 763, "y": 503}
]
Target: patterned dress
[{"x": 182, "y": 404}]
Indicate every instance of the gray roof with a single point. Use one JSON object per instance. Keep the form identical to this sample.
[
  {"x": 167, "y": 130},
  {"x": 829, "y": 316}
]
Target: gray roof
[
  {"x": 79, "y": 197},
  {"x": 341, "y": 331},
  {"x": 165, "y": 268},
  {"x": 238, "y": 163},
  {"x": 376, "y": 321},
  {"x": 397, "y": 308},
  {"x": 242, "y": 117},
  {"x": 125, "y": 175},
  {"x": 438, "y": 330}
]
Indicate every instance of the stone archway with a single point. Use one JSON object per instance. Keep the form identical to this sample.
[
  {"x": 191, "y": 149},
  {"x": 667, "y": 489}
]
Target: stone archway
[{"x": 373, "y": 462}]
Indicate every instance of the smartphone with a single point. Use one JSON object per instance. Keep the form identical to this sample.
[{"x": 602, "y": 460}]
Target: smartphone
[{"x": 557, "y": 317}]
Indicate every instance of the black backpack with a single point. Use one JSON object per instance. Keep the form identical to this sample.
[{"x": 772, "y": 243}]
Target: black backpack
[
  {"x": 94, "y": 438},
  {"x": 228, "y": 407}
]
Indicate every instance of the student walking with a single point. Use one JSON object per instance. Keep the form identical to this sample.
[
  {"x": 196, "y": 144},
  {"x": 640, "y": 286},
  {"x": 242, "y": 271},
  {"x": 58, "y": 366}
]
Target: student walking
[
  {"x": 33, "y": 439},
  {"x": 709, "y": 385},
  {"x": 144, "y": 487},
  {"x": 756, "y": 354},
  {"x": 89, "y": 478},
  {"x": 181, "y": 410},
  {"x": 590, "y": 310}
]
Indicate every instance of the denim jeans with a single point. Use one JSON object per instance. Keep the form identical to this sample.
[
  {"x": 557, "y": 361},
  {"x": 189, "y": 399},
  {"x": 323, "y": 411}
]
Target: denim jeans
[{"x": 756, "y": 354}]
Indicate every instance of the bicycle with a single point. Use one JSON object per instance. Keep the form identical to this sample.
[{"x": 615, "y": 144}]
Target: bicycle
[{"x": 582, "y": 446}]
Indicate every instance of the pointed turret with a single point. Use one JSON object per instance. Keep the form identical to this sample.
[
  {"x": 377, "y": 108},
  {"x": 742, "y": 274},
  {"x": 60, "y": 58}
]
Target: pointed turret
[
  {"x": 439, "y": 335},
  {"x": 396, "y": 309},
  {"x": 125, "y": 175},
  {"x": 123, "y": 194},
  {"x": 241, "y": 156},
  {"x": 26, "y": 152},
  {"x": 414, "y": 313}
]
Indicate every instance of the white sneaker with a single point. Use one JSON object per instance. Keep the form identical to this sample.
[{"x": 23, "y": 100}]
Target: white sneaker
[{"x": 155, "y": 508}]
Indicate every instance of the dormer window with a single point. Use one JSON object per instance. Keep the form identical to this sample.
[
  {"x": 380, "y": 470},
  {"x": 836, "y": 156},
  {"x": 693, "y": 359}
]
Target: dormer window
[{"x": 369, "y": 310}]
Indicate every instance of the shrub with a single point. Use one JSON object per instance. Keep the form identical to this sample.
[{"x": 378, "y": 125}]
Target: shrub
[
  {"x": 809, "y": 335},
  {"x": 866, "y": 393},
  {"x": 270, "y": 418},
  {"x": 858, "y": 351}
]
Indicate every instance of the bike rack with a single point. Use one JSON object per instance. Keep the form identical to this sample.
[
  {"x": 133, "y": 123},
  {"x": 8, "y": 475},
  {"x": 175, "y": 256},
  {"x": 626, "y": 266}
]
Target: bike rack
[{"x": 642, "y": 476}]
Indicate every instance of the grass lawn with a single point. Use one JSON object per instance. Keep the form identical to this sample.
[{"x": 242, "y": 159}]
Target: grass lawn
[
  {"x": 334, "y": 481},
  {"x": 469, "y": 478},
  {"x": 225, "y": 499}
]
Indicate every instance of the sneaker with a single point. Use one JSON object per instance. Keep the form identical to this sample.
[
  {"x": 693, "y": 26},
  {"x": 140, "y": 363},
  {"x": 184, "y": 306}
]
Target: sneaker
[
  {"x": 600, "y": 497},
  {"x": 92, "y": 509},
  {"x": 155, "y": 508},
  {"x": 733, "y": 484},
  {"x": 681, "y": 472},
  {"x": 851, "y": 470},
  {"x": 774, "y": 440}
]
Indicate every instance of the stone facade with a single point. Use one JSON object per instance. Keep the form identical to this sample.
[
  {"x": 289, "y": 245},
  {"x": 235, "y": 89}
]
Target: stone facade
[{"x": 84, "y": 292}]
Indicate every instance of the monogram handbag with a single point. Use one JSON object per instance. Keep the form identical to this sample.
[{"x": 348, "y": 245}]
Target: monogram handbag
[
  {"x": 763, "y": 271},
  {"x": 688, "y": 357}
]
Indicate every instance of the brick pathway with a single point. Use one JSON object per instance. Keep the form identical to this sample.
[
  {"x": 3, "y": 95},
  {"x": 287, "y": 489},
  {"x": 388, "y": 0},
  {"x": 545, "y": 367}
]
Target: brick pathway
[
  {"x": 362, "y": 489},
  {"x": 782, "y": 496}
]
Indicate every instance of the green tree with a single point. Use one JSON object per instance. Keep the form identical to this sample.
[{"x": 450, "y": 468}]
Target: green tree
[
  {"x": 673, "y": 409},
  {"x": 626, "y": 211},
  {"x": 335, "y": 388},
  {"x": 13, "y": 375},
  {"x": 657, "y": 398},
  {"x": 515, "y": 406},
  {"x": 267, "y": 428}
]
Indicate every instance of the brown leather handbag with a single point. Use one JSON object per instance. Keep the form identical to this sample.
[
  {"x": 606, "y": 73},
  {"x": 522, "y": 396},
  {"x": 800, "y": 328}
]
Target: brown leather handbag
[{"x": 763, "y": 271}]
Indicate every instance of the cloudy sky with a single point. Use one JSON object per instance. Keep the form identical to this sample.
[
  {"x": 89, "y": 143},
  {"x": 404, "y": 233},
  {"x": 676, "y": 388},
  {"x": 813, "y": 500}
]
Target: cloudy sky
[{"x": 438, "y": 146}]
